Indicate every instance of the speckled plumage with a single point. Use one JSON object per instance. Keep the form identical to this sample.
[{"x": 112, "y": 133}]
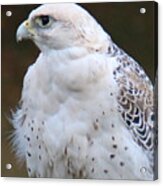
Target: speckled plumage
[{"x": 86, "y": 107}]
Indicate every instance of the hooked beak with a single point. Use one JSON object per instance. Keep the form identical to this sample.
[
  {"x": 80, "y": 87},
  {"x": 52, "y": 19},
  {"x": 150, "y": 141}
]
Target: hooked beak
[{"x": 24, "y": 31}]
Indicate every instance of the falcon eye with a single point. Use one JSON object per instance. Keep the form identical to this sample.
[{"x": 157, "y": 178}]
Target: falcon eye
[{"x": 43, "y": 21}]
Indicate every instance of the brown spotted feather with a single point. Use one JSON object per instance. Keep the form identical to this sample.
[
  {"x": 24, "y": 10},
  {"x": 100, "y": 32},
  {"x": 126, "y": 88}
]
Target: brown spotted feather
[{"x": 135, "y": 100}]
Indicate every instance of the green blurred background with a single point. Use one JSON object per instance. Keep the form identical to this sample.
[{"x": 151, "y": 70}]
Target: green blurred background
[{"x": 132, "y": 31}]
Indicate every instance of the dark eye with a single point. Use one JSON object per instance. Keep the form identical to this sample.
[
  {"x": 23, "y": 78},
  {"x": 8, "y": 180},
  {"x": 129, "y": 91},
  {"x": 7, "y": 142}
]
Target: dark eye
[{"x": 43, "y": 21}]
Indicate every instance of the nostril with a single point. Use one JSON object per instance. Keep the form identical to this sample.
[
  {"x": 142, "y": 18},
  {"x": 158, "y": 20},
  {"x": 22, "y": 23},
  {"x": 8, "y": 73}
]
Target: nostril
[{"x": 26, "y": 23}]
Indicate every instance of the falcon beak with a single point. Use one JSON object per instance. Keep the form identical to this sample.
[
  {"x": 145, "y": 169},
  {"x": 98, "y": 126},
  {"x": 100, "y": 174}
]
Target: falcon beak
[{"x": 24, "y": 31}]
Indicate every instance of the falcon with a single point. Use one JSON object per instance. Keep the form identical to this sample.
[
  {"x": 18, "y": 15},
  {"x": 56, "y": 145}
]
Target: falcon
[{"x": 86, "y": 106}]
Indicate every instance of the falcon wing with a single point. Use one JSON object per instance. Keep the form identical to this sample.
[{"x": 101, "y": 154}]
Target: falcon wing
[{"x": 135, "y": 100}]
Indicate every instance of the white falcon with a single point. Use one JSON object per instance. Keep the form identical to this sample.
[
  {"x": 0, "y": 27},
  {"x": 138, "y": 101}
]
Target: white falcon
[{"x": 86, "y": 106}]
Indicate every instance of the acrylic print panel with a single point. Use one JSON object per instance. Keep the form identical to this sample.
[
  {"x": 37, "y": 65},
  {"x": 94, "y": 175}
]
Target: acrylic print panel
[{"x": 77, "y": 103}]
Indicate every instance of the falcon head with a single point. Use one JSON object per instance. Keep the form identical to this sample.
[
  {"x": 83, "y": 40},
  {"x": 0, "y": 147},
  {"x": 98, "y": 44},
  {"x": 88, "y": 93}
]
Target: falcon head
[{"x": 60, "y": 26}]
